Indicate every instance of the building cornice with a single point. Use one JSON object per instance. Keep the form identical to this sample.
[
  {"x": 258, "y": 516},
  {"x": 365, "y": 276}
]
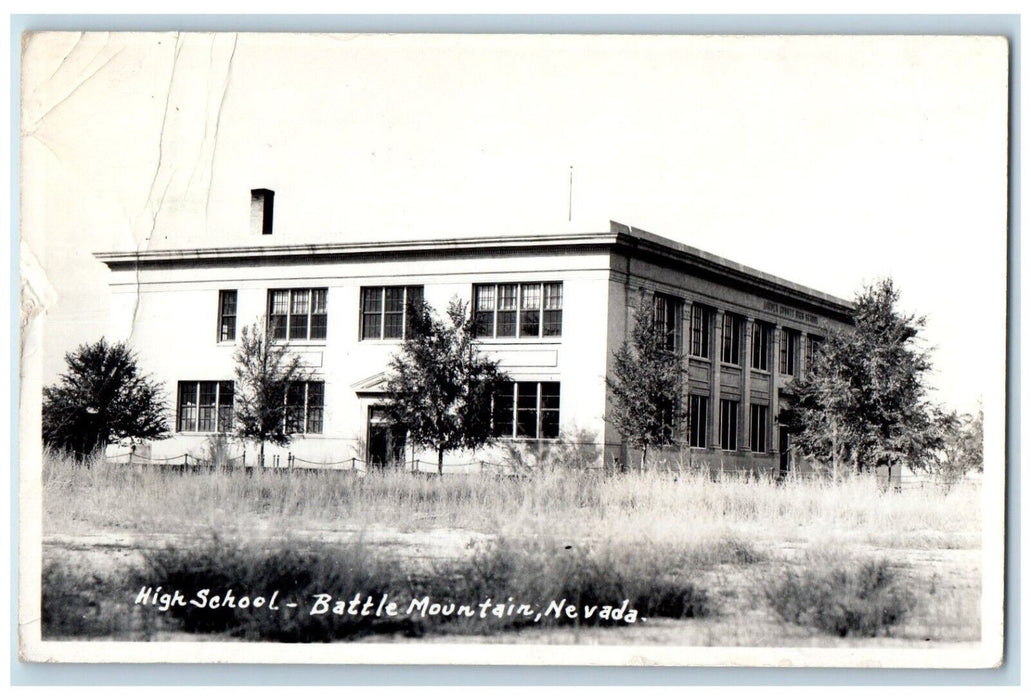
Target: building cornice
[{"x": 621, "y": 239}]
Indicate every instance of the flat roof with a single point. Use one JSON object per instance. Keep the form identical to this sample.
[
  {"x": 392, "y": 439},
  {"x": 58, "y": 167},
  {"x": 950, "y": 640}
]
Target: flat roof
[{"x": 620, "y": 238}]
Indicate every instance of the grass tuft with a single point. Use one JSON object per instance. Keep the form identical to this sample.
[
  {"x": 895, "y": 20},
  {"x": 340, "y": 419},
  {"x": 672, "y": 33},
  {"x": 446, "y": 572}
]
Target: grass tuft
[{"x": 863, "y": 599}]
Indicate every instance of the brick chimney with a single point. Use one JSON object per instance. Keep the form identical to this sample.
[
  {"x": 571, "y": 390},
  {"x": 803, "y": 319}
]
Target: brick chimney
[{"x": 261, "y": 212}]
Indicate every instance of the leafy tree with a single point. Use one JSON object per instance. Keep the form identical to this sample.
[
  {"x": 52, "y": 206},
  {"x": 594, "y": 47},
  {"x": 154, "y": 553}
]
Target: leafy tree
[
  {"x": 864, "y": 399},
  {"x": 102, "y": 397},
  {"x": 265, "y": 369},
  {"x": 964, "y": 445},
  {"x": 646, "y": 384},
  {"x": 439, "y": 385}
]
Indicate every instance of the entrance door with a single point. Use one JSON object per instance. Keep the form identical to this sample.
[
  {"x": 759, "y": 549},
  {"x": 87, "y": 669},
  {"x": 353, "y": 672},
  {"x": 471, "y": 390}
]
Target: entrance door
[
  {"x": 386, "y": 442},
  {"x": 785, "y": 451}
]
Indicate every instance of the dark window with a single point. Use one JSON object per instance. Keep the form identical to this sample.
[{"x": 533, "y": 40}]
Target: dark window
[
  {"x": 384, "y": 311},
  {"x": 728, "y": 424},
  {"x": 205, "y": 407},
  {"x": 503, "y": 413},
  {"x": 759, "y": 421},
  {"x": 304, "y": 407},
  {"x": 226, "y": 315},
  {"x": 701, "y": 320},
  {"x": 812, "y": 349},
  {"x": 528, "y": 310},
  {"x": 788, "y": 351},
  {"x": 698, "y": 416},
  {"x": 730, "y": 351},
  {"x": 760, "y": 346},
  {"x": 668, "y": 314},
  {"x": 527, "y": 409},
  {"x": 297, "y": 314}
]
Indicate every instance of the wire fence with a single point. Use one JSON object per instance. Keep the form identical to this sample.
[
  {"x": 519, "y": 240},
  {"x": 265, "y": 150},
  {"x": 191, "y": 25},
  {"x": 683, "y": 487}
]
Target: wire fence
[{"x": 292, "y": 463}]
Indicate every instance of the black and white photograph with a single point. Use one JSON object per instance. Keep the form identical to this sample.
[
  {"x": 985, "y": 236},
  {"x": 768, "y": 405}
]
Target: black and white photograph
[{"x": 513, "y": 349}]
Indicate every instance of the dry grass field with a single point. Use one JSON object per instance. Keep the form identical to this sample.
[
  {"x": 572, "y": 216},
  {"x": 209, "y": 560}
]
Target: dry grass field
[{"x": 703, "y": 562}]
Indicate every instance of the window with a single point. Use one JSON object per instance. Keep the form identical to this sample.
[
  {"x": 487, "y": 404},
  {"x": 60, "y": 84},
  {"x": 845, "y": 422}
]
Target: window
[
  {"x": 304, "y": 407},
  {"x": 701, "y": 319},
  {"x": 226, "y": 315},
  {"x": 525, "y": 310},
  {"x": 812, "y": 348},
  {"x": 698, "y": 416},
  {"x": 297, "y": 314},
  {"x": 385, "y": 311},
  {"x": 788, "y": 351},
  {"x": 728, "y": 424},
  {"x": 526, "y": 410},
  {"x": 759, "y": 421},
  {"x": 668, "y": 314},
  {"x": 730, "y": 351},
  {"x": 205, "y": 407},
  {"x": 761, "y": 346}
]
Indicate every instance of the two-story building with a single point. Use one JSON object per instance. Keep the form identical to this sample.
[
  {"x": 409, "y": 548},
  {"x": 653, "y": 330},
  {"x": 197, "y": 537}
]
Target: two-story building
[{"x": 552, "y": 308}]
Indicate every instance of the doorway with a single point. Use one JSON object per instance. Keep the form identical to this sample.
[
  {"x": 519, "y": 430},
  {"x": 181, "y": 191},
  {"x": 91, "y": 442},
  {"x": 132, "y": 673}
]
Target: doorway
[{"x": 386, "y": 440}]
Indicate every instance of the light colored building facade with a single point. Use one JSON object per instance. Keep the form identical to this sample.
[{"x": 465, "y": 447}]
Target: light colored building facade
[{"x": 553, "y": 310}]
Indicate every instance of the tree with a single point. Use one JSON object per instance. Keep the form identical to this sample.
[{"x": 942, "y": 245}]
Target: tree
[
  {"x": 101, "y": 397},
  {"x": 864, "y": 398},
  {"x": 646, "y": 384},
  {"x": 265, "y": 370},
  {"x": 964, "y": 445},
  {"x": 439, "y": 385}
]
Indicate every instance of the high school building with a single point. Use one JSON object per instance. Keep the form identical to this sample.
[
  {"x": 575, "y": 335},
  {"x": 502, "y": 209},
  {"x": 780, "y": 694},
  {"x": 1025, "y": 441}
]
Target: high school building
[{"x": 552, "y": 308}]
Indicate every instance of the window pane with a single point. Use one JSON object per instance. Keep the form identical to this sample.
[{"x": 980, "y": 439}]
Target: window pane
[
  {"x": 318, "y": 327},
  {"x": 553, "y": 295},
  {"x": 484, "y": 297},
  {"x": 279, "y": 301},
  {"x": 370, "y": 325},
  {"x": 507, "y": 297},
  {"x": 206, "y": 415},
  {"x": 526, "y": 409},
  {"x": 503, "y": 404},
  {"x": 531, "y": 296},
  {"x": 318, "y": 301},
  {"x": 506, "y": 324},
  {"x": 226, "y": 315},
  {"x": 187, "y": 406},
  {"x": 550, "y": 400},
  {"x": 395, "y": 299},
  {"x": 225, "y": 407},
  {"x": 698, "y": 418},
  {"x": 372, "y": 300},
  {"x": 529, "y": 323},
  {"x": 553, "y": 323},
  {"x": 484, "y": 327},
  {"x": 393, "y": 324},
  {"x": 316, "y": 393},
  {"x": 295, "y": 408}
]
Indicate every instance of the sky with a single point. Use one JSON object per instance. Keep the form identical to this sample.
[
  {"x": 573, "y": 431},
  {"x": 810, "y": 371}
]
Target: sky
[{"x": 829, "y": 161}]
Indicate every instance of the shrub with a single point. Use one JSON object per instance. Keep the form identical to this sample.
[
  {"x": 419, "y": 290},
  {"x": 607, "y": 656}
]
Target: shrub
[{"x": 860, "y": 598}]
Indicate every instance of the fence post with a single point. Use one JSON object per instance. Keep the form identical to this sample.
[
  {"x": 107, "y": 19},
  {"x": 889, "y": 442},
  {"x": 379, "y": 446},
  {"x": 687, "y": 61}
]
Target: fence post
[
  {"x": 186, "y": 462},
  {"x": 132, "y": 451},
  {"x": 243, "y": 462},
  {"x": 415, "y": 465},
  {"x": 289, "y": 460}
]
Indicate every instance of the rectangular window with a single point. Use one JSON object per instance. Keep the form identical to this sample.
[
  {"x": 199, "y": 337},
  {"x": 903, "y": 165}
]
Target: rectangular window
[
  {"x": 701, "y": 320},
  {"x": 761, "y": 346},
  {"x": 788, "y": 351},
  {"x": 812, "y": 348},
  {"x": 204, "y": 407},
  {"x": 698, "y": 417},
  {"x": 304, "y": 407},
  {"x": 758, "y": 423},
  {"x": 730, "y": 351},
  {"x": 526, "y": 310},
  {"x": 527, "y": 410},
  {"x": 668, "y": 315},
  {"x": 384, "y": 311},
  {"x": 226, "y": 315},
  {"x": 728, "y": 424},
  {"x": 297, "y": 314}
]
